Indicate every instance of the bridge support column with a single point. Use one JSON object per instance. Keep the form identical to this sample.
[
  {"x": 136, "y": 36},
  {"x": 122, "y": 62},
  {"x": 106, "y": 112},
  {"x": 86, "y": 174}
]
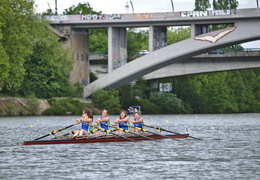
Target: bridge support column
[
  {"x": 153, "y": 85},
  {"x": 157, "y": 37},
  {"x": 198, "y": 29},
  {"x": 117, "y": 48},
  {"x": 78, "y": 43}
]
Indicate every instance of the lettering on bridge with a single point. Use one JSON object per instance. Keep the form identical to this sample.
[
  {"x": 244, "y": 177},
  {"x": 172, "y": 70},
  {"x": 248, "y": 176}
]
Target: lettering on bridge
[
  {"x": 101, "y": 16},
  {"x": 206, "y": 13}
]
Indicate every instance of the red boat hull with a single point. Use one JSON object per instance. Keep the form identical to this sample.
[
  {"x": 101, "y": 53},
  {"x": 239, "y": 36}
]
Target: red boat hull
[{"x": 99, "y": 139}]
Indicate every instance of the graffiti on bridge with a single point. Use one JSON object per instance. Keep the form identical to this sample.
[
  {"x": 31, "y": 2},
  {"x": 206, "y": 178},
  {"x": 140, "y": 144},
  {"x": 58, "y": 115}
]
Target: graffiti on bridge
[{"x": 101, "y": 16}]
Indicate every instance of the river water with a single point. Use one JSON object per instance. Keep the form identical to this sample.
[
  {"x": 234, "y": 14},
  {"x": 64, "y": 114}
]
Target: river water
[{"x": 230, "y": 149}]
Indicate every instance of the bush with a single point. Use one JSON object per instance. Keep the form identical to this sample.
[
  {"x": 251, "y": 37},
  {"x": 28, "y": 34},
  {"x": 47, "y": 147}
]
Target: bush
[
  {"x": 33, "y": 104},
  {"x": 149, "y": 107},
  {"x": 11, "y": 110},
  {"x": 2, "y": 111},
  {"x": 107, "y": 100},
  {"x": 64, "y": 105},
  {"x": 167, "y": 102}
]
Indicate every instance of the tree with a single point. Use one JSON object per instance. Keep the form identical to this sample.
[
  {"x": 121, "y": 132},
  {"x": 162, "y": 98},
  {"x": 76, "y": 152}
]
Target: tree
[
  {"x": 137, "y": 39},
  {"x": 47, "y": 68},
  {"x": 84, "y": 8},
  {"x": 175, "y": 35},
  {"x": 225, "y": 4},
  {"x": 167, "y": 102},
  {"x": 131, "y": 93},
  {"x": 202, "y": 5},
  {"x": 97, "y": 37},
  {"x": 107, "y": 100},
  {"x": 18, "y": 24}
]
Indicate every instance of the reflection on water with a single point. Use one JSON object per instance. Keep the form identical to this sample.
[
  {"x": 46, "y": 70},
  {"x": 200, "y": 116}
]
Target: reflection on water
[{"x": 230, "y": 149}]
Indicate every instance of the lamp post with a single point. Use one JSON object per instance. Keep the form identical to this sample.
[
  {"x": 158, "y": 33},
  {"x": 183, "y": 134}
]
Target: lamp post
[
  {"x": 132, "y": 6},
  {"x": 172, "y": 6},
  {"x": 257, "y": 4},
  {"x": 56, "y": 13}
]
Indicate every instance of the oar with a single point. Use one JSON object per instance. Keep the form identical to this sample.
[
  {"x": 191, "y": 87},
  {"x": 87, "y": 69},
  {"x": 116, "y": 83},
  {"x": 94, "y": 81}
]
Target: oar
[
  {"x": 98, "y": 128},
  {"x": 161, "y": 129},
  {"x": 129, "y": 131},
  {"x": 71, "y": 132},
  {"x": 144, "y": 130},
  {"x": 54, "y": 132}
]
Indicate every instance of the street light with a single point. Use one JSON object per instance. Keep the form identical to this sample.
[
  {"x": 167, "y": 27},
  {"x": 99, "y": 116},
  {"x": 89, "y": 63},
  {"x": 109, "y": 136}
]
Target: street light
[
  {"x": 172, "y": 6},
  {"x": 257, "y": 4},
  {"x": 132, "y": 6},
  {"x": 56, "y": 13}
]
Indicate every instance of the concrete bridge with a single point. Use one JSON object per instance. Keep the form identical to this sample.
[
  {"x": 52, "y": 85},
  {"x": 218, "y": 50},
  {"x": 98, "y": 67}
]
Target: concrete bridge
[
  {"x": 176, "y": 53},
  {"x": 246, "y": 24},
  {"x": 203, "y": 63}
]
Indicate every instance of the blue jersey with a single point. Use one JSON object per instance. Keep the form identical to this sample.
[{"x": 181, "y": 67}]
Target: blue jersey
[
  {"x": 122, "y": 125},
  {"x": 85, "y": 126},
  {"x": 139, "y": 125},
  {"x": 104, "y": 125}
]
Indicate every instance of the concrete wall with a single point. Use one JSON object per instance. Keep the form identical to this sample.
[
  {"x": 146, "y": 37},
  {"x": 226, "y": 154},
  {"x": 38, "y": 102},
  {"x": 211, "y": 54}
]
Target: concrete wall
[{"x": 78, "y": 42}]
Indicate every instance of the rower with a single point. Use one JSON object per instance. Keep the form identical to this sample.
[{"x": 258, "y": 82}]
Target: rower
[
  {"x": 103, "y": 122},
  {"x": 137, "y": 122}
]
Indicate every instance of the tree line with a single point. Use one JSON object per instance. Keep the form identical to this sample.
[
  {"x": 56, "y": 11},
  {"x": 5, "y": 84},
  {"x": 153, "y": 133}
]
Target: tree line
[{"x": 34, "y": 63}]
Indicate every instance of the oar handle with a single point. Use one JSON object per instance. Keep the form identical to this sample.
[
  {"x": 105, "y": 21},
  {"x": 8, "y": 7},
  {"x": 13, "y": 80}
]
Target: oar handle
[{"x": 54, "y": 132}]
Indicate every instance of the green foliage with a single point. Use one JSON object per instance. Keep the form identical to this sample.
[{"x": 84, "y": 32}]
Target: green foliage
[
  {"x": 18, "y": 25},
  {"x": 97, "y": 37},
  {"x": 98, "y": 40},
  {"x": 11, "y": 110},
  {"x": 63, "y": 106},
  {"x": 2, "y": 111},
  {"x": 107, "y": 100},
  {"x": 175, "y": 35},
  {"x": 202, "y": 5},
  {"x": 137, "y": 40},
  {"x": 130, "y": 93},
  {"x": 92, "y": 76},
  {"x": 148, "y": 107},
  {"x": 78, "y": 90},
  {"x": 84, "y": 8},
  {"x": 167, "y": 102},
  {"x": 33, "y": 104},
  {"x": 127, "y": 96},
  {"x": 47, "y": 68},
  {"x": 32, "y": 59},
  {"x": 225, "y": 4},
  {"x": 222, "y": 92}
]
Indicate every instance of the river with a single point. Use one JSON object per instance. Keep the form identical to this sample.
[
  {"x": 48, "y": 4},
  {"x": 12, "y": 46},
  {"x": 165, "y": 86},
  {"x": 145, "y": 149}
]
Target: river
[{"x": 230, "y": 149}]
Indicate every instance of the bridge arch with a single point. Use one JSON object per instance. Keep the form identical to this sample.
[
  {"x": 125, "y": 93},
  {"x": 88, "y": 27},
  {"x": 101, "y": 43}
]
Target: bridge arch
[{"x": 176, "y": 53}]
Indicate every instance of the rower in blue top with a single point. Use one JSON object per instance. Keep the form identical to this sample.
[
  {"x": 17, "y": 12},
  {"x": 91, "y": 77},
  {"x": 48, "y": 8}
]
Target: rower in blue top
[
  {"x": 122, "y": 122},
  {"x": 85, "y": 121},
  {"x": 137, "y": 122},
  {"x": 103, "y": 122}
]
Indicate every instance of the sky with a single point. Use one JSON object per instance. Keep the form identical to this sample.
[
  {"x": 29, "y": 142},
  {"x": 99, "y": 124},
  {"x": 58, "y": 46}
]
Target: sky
[{"x": 139, "y": 6}]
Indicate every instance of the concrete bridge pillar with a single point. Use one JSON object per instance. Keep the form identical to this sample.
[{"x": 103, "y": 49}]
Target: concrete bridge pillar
[
  {"x": 153, "y": 85},
  {"x": 157, "y": 37},
  {"x": 117, "y": 48},
  {"x": 157, "y": 40},
  {"x": 78, "y": 43},
  {"x": 198, "y": 29}
]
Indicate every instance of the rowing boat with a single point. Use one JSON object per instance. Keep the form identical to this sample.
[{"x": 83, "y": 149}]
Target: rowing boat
[{"x": 100, "y": 139}]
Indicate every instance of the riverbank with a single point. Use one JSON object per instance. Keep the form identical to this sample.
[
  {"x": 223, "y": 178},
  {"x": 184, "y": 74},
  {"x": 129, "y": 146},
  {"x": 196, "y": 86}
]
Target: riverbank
[{"x": 14, "y": 106}]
